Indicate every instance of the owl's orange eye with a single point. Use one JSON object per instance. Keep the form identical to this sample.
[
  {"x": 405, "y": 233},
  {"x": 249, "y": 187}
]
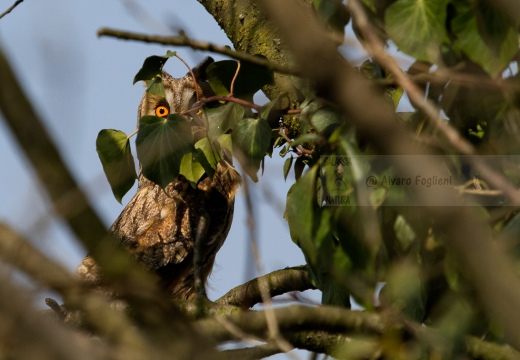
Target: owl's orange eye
[{"x": 162, "y": 111}]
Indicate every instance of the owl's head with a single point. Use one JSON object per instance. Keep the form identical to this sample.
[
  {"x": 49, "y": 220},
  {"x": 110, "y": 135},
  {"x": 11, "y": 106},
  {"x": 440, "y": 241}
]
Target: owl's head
[{"x": 180, "y": 94}]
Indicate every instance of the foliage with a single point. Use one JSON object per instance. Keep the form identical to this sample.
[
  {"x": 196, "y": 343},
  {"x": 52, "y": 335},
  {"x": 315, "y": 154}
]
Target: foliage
[
  {"x": 349, "y": 209},
  {"x": 329, "y": 205}
]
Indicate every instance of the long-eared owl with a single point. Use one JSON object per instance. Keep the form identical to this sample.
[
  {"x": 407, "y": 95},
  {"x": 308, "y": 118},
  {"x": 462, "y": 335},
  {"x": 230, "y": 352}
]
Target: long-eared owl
[{"x": 159, "y": 226}]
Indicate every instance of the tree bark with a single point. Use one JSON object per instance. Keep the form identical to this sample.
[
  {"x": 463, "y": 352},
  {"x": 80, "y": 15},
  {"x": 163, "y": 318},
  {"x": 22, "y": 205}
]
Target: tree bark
[{"x": 249, "y": 30}]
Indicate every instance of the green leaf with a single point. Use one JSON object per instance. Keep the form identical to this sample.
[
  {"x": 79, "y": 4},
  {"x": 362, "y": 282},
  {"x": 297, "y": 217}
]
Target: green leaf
[
  {"x": 310, "y": 229},
  {"x": 417, "y": 27},
  {"x": 485, "y": 37},
  {"x": 287, "y": 167},
  {"x": 250, "y": 79},
  {"x": 156, "y": 87},
  {"x": 272, "y": 112},
  {"x": 299, "y": 166},
  {"x": 208, "y": 153},
  {"x": 191, "y": 169},
  {"x": 305, "y": 138},
  {"x": 161, "y": 145},
  {"x": 252, "y": 137},
  {"x": 300, "y": 214},
  {"x": 223, "y": 118},
  {"x": 152, "y": 67},
  {"x": 326, "y": 120},
  {"x": 113, "y": 148},
  {"x": 225, "y": 142}
]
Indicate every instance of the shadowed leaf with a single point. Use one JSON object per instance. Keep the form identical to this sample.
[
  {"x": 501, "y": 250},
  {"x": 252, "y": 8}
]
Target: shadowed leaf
[
  {"x": 113, "y": 148},
  {"x": 161, "y": 145}
]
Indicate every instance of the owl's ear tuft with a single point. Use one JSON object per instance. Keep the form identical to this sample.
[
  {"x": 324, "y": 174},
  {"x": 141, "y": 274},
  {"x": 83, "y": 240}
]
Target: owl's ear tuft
[{"x": 200, "y": 70}]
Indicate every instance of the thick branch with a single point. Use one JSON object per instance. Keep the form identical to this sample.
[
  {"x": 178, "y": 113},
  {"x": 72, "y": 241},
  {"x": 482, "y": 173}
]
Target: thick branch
[
  {"x": 279, "y": 282},
  {"x": 249, "y": 31},
  {"x": 183, "y": 40},
  {"x": 298, "y": 318}
]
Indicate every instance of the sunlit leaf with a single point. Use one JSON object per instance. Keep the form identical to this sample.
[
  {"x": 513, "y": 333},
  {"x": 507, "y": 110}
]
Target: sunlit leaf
[
  {"x": 191, "y": 169},
  {"x": 208, "y": 155},
  {"x": 417, "y": 27},
  {"x": 116, "y": 157},
  {"x": 161, "y": 145}
]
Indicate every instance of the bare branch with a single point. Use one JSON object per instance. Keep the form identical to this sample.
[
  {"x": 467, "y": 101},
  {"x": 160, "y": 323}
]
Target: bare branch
[
  {"x": 279, "y": 282},
  {"x": 11, "y": 8},
  {"x": 182, "y": 40}
]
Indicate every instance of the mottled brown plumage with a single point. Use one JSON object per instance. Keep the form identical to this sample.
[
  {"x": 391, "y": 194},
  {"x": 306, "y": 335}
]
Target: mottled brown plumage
[{"x": 159, "y": 226}]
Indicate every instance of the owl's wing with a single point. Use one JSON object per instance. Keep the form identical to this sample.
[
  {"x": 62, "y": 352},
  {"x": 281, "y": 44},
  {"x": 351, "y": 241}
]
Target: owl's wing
[{"x": 155, "y": 224}]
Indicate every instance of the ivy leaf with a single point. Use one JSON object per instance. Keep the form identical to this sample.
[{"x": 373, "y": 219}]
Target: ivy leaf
[
  {"x": 272, "y": 112},
  {"x": 161, "y": 145},
  {"x": 191, "y": 169},
  {"x": 252, "y": 137},
  {"x": 225, "y": 142},
  {"x": 325, "y": 121},
  {"x": 417, "y": 27},
  {"x": 152, "y": 67},
  {"x": 113, "y": 148},
  {"x": 300, "y": 214},
  {"x": 223, "y": 118},
  {"x": 310, "y": 228},
  {"x": 287, "y": 167},
  {"x": 250, "y": 79},
  {"x": 485, "y": 37},
  {"x": 299, "y": 166},
  {"x": 151, "y": 73}
]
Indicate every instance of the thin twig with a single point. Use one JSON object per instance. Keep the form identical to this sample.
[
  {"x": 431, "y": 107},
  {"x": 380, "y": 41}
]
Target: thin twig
[
  {"x": 182, "y": 40},
  {"x": 199, "y": 90},
  {"x": 272, "y": 323},
  {"x": 232, "y": 88},
  {"x": 199, "y": 105},
  {"x": 299, "y": 147},
  {"x": 17, "y": 2}
]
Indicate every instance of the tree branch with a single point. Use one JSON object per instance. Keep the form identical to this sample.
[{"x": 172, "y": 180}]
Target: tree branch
[
  {"x": 299, "y": 318},
  {"x": 375, "y": 46},
  {"x": 182, "y": 40},
  {"x": 279, "y": 282},
  {"x": 11, "y": 8},
  {"x": 251, "y": 32}
]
